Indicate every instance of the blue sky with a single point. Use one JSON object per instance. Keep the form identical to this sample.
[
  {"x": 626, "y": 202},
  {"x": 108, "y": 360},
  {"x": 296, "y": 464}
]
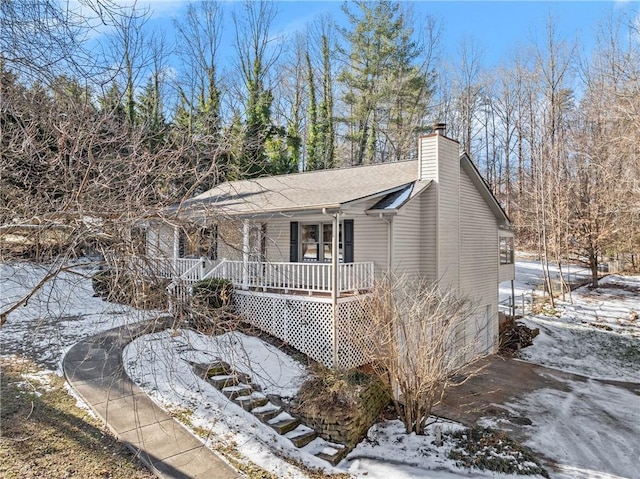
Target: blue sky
[{"x": 497, "y": 27}]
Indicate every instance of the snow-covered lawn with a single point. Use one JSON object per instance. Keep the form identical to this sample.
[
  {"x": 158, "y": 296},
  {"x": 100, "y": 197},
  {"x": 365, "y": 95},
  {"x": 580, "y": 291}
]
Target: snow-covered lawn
[
  {"x": 569, "y": 426},
  {"x": 589, "y": 428},
  {"x": 59, "y": 315},
  {"x": 596, "y": 335},
  {"x": 529, "y": 278}
]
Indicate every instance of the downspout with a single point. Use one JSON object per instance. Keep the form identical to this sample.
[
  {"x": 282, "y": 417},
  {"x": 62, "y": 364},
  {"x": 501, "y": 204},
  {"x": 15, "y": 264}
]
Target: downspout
[{"x": 389, "y": 240}]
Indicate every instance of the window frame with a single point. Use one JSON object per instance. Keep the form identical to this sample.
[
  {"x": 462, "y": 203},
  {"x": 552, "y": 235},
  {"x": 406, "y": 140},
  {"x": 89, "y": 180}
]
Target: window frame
[
  {"x": 320, "y": 243},
  {"x": 506, "y": 250}
]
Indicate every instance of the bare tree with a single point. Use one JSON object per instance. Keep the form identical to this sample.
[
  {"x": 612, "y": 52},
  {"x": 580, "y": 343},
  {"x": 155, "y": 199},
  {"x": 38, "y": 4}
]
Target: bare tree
[{"x": 417, "y": 337}]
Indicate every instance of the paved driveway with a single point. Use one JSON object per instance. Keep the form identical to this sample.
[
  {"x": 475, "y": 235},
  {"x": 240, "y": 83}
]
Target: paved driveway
[{"x": 584, "y": 428}]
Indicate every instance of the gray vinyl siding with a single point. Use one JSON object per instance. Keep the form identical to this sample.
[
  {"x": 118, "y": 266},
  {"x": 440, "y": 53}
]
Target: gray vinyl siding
[
  {"x": 407, "y": 240},
  {"x": 428, "y": 250},
  {"x": 370, "y": 241},
  {"x": 478, "y": 253},
  {"x": 230, "y": 240},
  {"x": 277, "y": 241},
  {"x": 428, "y": 150}
]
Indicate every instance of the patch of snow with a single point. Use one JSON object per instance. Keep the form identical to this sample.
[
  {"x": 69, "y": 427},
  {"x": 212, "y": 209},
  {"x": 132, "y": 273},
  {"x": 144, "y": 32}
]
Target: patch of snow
[
  {"x": 59, "y": 315},
  {"x": 583, "y": 428}
]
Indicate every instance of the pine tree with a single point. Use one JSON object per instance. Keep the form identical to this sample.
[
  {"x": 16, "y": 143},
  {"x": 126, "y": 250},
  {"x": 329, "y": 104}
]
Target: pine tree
[{"x": 384, "y": 91}]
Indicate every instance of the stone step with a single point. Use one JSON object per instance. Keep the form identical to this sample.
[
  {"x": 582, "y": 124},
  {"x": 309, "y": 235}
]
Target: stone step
[
  {"x": 333, "y": 454},
  {"x": 224, "y": 380},
  {"x": 283, "y": 423},
  {"x": 267, "y": 412},
  {"x": 327, "y": 451},
  {"x": 251, "y": 401},
  {"x": 301, "y": 436},
  {"x": 241, "y": 389},
  {"x": 218, "y": 368}
]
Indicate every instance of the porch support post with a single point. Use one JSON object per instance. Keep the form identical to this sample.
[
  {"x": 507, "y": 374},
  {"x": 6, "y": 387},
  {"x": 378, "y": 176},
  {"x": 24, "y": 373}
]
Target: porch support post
[
  {"x": 176, "y": 247},
  {"x": 335, "y": 287},
  {"x": 513, "y": 303},
  {"x": 245, "y": 254}
]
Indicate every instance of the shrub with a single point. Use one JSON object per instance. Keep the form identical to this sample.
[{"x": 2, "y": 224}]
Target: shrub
[
  {"x": 102, "y": 283},
  {"x": 213, "y": 293},
  {"x": 123, "y": 288}
]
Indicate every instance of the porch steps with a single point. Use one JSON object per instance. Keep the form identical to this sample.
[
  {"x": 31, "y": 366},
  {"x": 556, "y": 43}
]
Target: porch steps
[
  {"x": 251, "y": 401},
  {"x": 239, "y": 388},
  {"x": 283, "y": 423}
]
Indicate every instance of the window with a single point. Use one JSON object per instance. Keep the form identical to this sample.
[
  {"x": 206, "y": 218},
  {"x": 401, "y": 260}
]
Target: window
[
  {"x": 506, "y": 250},
  {"x": 200, "y": 242},
  {"x": 312, "y": 242},
  {"x": 316, "y": 246}
]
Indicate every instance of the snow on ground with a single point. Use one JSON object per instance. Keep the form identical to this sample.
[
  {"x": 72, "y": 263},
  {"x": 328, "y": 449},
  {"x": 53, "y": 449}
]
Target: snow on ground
[
  {"x": 582, "y": 427},
  {"x": 596, "y": 335},
  {"x": 161, "y": 364},
  {"x": 529, "y": 276},
  {"x": 59, "y": 315}
]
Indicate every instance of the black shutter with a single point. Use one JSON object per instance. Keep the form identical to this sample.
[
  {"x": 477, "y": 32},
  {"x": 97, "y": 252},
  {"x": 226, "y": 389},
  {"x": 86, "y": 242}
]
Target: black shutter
[
  {"x": 293, "y": 241},
  {"x": 182, "y": 244},
  {"x": 348, "y": 240},
  {"x": 213, "y": 243}
]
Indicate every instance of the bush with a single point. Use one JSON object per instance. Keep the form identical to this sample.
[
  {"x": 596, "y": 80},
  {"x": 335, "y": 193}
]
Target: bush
[
  {"x": 123, "y": 288},
  {"x": 102, "y": 283},
  {"x": 215, "y": 293}
]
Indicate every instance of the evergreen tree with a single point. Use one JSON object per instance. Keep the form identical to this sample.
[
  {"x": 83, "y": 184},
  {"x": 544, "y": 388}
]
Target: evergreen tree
[
  {"x": 149, "y": 112},
  {"x": 326, "y": 129},
  {"x": 382, "y": 85},
  {"x": 255, "y": 58},
  {"x": 314, "y": 160}
]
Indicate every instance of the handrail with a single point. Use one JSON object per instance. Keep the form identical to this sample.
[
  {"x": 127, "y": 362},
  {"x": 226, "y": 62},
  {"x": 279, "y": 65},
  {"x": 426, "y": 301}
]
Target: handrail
[
  {"x": 312, "y": 277},
  {"x": 305, "y": 276}
]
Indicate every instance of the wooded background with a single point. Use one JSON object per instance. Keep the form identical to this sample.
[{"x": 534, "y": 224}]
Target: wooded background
[{"x": 97, "y": 135}]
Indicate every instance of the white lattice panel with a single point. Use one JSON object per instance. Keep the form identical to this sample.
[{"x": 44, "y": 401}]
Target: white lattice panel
[
  {"x": 303, "y": 322},
  {"x": 351, "y": 324}
]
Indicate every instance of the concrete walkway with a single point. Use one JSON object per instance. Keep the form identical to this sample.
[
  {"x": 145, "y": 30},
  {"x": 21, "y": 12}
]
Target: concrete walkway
[{"x": 94, "y": 369}]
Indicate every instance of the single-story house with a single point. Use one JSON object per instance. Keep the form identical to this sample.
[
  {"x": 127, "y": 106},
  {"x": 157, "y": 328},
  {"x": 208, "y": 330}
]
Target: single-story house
[{"x": 301, "y": 249}]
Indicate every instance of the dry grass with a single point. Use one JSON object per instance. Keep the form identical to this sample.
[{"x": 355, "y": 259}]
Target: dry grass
[{"x": 44, "y": 434}]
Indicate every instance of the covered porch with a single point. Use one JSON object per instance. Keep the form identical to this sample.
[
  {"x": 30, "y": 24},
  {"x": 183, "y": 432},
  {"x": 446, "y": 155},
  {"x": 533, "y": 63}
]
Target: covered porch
[{"x": 305, "y": 305}]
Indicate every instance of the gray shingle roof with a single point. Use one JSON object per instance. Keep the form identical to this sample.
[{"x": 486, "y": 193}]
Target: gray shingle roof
[{"x": 312, "y": 190}]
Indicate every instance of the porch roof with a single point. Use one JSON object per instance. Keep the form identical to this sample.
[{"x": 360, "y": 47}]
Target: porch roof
[{"x": 308, "y": 191}]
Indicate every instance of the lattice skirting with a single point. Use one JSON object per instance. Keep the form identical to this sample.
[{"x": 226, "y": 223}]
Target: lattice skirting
[{"x": 307, "y": 324}]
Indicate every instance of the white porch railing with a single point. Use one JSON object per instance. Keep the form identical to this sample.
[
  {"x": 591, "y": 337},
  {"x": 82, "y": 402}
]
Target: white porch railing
[
  {"x": 311, "y": 277},
  {"x": 189, "y": 270}
]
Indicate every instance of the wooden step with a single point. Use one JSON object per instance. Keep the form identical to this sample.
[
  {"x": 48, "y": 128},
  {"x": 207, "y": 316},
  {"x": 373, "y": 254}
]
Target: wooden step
[
  {"x": 283, "y": 423},
  {"x": 267, "y": 412},
  {"x": 333, "y": 455},
  {"x": 301, "y": 436},
  {"x": 218, "y": 368},
  {"x": 223, "y": 381},
  {"x": 251, "y": 401},
  {"x": 232, "y": 392}
]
